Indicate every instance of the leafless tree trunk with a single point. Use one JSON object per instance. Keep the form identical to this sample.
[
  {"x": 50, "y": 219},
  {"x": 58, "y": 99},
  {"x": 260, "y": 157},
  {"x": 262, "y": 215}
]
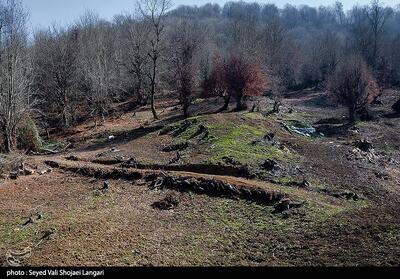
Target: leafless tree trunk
[
  {"x": 154, "y": 11},
  {"x": 377, "y": 16},
  {"x": 183, "y": 47},
  {"x": 15, "y": 83},
  {"x": 97, "y": 64}
]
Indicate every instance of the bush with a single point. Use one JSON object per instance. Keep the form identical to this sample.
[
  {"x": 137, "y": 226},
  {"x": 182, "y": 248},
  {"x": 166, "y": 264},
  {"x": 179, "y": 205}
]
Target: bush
[
  {"x": 28, "y": 137},
  {"x": 353, "y": 85},
  {"x": 235, "y": 78}
]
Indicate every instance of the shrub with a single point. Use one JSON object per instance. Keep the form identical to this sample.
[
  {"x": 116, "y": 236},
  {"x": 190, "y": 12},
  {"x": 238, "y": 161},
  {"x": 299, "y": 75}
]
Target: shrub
[
  {"x": 235, "y": 78},
  {"x": 28, "y": 137},
  {"x": 353, "y": 85}
]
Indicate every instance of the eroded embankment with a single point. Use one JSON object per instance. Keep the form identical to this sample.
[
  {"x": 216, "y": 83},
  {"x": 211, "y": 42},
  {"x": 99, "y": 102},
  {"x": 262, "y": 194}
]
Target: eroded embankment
[
  {"x": 209, "y": 169},
  {"x": 161, "y": 179}
]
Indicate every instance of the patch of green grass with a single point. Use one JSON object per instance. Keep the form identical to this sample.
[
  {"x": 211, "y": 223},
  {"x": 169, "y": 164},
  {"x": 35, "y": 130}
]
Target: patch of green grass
[
  {"x": 52, "y": 144},
  {"x": 237, "y": 142},
  {"x": 11, "y": 232},
  {"x": 198, "y": 101}
]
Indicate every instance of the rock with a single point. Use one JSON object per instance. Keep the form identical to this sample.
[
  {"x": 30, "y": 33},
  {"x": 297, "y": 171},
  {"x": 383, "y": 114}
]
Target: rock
[
  {"x": 305, "y": 184},
  {"x": 176, "y": 147},
  {"x": 348, "y": 196},
  {"x": 72, "y": 158},
  {"x": 110, "y": 138},
  {"x": 269, "y": 136},
  {"x": 363, "y": 145},
  {"x": 106, "y": 186},
  {"x": 28, "y": 171},
  {"x": 48, "y": 234},
  {"x": 282, "y": 206},
  {"x": 396, "y": 106},
  {"x": 270, "y": 165},
  {"x": 176, "y": 159},
  {"x": 114, "y": 149},
  {"x": 285, "y": 205},
  {"x": 29, "y": 221},
  {"x": 332, "y": 120},
  {"x": 39, "y": 216},
  {"x": 13, "y": 175},
  {"x": 49, "y": 170},
  {"x": 171, "y": 201},
  {"x": 230, "y": 161}
]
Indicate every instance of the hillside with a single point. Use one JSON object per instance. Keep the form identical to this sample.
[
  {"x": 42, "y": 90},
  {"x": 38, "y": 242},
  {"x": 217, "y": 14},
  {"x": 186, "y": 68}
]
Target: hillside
[{"x": 234, "y": 188}]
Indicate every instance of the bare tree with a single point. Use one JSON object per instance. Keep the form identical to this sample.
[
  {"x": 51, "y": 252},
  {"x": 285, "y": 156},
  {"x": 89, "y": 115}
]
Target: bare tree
[
  {"x": 377, "y": 16},
  {"x": 154, "y": 11},
  {"x": 55, "y": 74},
  {"x": 184, "y": 44},
  {"x": 133, "y": 57},
  {"x": 97, "y": 64},
  {"x": 15, "y": 82},
  {"x": 353, "y": 85}
]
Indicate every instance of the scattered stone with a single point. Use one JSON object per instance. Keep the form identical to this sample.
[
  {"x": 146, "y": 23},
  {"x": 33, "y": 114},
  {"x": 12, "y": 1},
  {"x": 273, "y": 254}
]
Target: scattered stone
[
  {"x": 43, "y": 172},
  {"x": 269, "y": 136},
  {"x": 30, "y": 221},
  {"x": 176, "y": 159},
  {"x": 202, "y": 130},
  {"x": 111, "y": 138},
  {"x": 348, "y": 196},
  {"x": 176, "y": 147},
  {"x": 268, "y": 139},
  {"x": 396, "y": 106},
  {"x": 363, "y": 145},
  {"x": 3, "y": 176},
  {"x": 332, "y": 120},
  {"x": 72, "y": 158},
  {"x": 270, "y": 165},
  {"x": 231, "y": 161},
  {"x": 382, "y": 175},
  {"x": 48, "y": 234},
  {"x": 171, "y": 201},
  {"x": 305, "y": 184},
  {"x": 114, "y": 149},
  {"x": 13, "y": 175},
  {"x": 285, "y": 205},
  {"x": 106, "y": 186}
]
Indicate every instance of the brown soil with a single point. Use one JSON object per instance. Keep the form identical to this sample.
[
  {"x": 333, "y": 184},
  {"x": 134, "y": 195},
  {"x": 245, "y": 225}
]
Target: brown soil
[{"x": 94, "y": 225}]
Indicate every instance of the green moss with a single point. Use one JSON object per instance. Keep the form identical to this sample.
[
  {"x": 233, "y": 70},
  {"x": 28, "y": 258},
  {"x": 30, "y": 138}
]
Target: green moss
[
  {"x": 11, "y": 232},
  {"x": 28, "y": 137},
  {"x": 237, "y": 142},
  {"x": 53, "y": 145}
]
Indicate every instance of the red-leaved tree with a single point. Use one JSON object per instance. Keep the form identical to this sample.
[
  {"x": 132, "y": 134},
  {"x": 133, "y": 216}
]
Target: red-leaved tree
[{"x": 235, "y": 78}]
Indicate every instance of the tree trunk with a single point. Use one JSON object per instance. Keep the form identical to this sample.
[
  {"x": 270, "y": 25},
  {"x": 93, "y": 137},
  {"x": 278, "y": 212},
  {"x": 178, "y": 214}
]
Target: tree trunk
[
  {"x": 352, "y": 116},
  {"x": 185, "y": 109},
  {"x": 277, "y": 105},
  {"x": 8, "y": 141},
  {"x": 226, "y": 104},
  {"x": 239, "y": 105},
  {"x": 153, "y": 109}
]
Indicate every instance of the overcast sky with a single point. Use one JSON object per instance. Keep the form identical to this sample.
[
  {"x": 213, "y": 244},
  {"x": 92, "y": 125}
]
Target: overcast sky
[{"x": 45, "y": 12}]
